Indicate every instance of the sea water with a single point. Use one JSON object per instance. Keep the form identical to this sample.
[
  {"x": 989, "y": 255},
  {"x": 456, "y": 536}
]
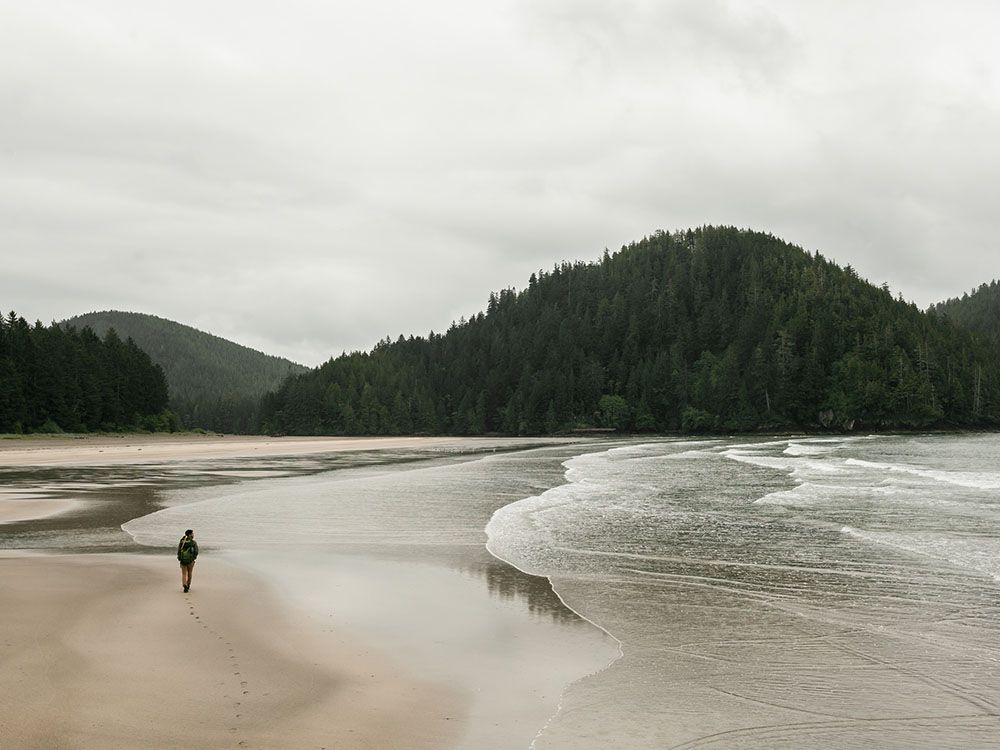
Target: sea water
[
  {"x": 395, "y": 556},
  {"x": 777, "y": 593},
  {"x": 794, "y": 592}
]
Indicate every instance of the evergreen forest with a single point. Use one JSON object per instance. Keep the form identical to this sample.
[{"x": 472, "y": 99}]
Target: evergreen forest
[
  {"x": 708, "y": 330},
  {"x": 978, "y": 311},
  {"x": 55, "y": 379},
  {"x": 214, "y": 383}
]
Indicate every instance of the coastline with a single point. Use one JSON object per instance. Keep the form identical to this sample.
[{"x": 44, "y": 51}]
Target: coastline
[
  {"x": 87, "y": 450},
  {"x": 357, "y": 670}
]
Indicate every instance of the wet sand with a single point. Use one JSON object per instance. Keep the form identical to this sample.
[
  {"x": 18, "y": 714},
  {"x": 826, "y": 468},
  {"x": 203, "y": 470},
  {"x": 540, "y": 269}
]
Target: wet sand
[
  {"x": 417, "y": 652},
  {"x": 14, "y": 507},
  {"x": 105, "y": 651},
  {"x": 81, "y": 450}
]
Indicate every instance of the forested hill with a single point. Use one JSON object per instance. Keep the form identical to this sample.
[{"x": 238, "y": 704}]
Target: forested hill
[
  {"x": 55, "y": 380},
  {"x": 715, "y": 329},
  {"x": 214, "y": 383},
  {"x": 978, "y": 312}
]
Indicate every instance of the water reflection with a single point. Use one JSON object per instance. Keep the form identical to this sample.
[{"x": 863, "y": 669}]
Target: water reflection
[
  {"x": 503, "y": 582},
  {"x": 388, "y": 545},
  {"x": 110, "y": 496},
  {"x": 506, "y": 582},
  {"x": 105, "y": 497}
]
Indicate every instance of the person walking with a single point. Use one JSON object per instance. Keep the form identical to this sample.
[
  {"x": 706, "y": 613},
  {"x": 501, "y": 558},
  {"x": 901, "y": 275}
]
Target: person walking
[{"x": 187, "y": 553}]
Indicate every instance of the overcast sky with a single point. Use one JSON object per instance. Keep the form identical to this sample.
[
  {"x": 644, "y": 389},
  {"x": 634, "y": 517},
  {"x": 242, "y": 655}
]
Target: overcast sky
[{"x": 308, "y": 177}]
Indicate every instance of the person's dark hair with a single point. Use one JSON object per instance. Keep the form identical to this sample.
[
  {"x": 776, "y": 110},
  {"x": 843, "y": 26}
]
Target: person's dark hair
[{"x": 189, "y": 532}]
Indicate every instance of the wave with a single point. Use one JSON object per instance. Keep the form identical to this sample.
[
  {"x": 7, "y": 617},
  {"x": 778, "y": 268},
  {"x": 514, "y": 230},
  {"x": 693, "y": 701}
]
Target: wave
[
  {"x": 979, "y": 480},
  {"x": 813, "y": 495},
  {"x": 808, "y": 494},
  {"x": 507, "y": 523},
  {"x": 810, "y": 449},
  {"x": 791, "y": 464},
  {"x": 980, "y": 555}
]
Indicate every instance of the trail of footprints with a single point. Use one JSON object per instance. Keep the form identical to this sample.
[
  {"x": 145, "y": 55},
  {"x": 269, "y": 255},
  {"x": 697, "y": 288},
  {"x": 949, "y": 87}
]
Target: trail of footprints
[{"x": 234, "y": 664}]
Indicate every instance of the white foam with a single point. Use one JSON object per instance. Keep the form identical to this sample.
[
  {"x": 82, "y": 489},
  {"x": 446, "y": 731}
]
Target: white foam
[
  {"x": 791, "y": 464},
  {"x": 806, "y": 494},
  {"x": 808, "y": 449},
  {"x": 685, "y": 454},
  {"x": 980, "y": 480},
  {"x": 981, "y": 555},
  {"x": 507, "y": 524}
]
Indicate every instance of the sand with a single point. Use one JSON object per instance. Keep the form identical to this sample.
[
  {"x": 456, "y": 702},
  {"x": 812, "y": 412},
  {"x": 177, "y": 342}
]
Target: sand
[
  {"x": 105, "y": 651},
  {"x": 14, "y": 507},
  {"x": 83, "y": 450}
]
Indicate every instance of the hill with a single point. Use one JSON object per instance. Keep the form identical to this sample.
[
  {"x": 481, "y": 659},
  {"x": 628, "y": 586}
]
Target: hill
[
  {"x": 56, "y": 380},
  {"x": 714, "y": 329},
  {"x": 214, "y": 383},
  {"x": 978, "y": 312}
]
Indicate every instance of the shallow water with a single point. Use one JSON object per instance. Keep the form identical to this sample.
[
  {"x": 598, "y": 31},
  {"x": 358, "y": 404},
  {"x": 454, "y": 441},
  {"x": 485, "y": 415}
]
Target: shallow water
[
  {"x": 794, "y": 593},
  {"x": 399, "y": 559},
  {"x": 770, "y": 593},
  {"x": 105, "y": 497}
]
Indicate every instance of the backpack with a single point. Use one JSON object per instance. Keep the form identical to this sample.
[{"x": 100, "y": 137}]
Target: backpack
[{"x": 186, "y": 554}]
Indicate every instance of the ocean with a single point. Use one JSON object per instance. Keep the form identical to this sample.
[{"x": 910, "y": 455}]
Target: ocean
[
  {"x": 794, "y": 592},
  {"x": 777, "y": 593}
]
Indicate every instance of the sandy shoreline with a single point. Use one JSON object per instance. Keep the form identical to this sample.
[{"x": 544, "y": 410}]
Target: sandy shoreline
[
  {"x": 14, "y": 507},
  {"x": 107, "y": 450},
  {"x": 105, "y": 651},
  {"x": 440, "y": 647}
]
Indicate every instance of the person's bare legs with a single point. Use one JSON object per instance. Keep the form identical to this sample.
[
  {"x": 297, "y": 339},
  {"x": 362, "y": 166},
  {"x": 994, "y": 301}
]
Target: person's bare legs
[{"x": 186, "y": 575}]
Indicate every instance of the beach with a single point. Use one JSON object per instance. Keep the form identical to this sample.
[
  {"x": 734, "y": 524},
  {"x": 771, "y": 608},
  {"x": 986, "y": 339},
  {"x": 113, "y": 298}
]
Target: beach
[
  {"x": 105, "y": 651},
  {"x": 771, "y": 592},
  {"x": 102, "y": 648},
  {"x": 85, "y": 450}
]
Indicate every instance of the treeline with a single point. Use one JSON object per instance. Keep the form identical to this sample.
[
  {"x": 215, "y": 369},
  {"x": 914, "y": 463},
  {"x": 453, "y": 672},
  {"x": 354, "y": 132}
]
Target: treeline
[
  {"x": 214, "y": 383},
  {"x": 714, "y": 329},
  {"x": 978, "y": 312},
  {"x": 55, "y": 379}
]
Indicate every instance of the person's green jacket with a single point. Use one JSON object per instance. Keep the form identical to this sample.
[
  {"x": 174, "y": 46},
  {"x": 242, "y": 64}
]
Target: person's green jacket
[{"x": 187, "y": 551}]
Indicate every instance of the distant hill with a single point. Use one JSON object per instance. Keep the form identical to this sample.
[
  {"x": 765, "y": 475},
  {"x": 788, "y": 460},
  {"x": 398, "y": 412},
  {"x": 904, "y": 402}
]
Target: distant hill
[
  {"x": 213, "y": 383},
  {"x": 711, "y": 329},
  {"x": 978, "y": 311}
]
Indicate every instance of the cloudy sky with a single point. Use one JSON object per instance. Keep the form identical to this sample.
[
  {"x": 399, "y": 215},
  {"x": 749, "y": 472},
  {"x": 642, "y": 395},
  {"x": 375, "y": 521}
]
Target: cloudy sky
[{"x": 306, "y": 177}]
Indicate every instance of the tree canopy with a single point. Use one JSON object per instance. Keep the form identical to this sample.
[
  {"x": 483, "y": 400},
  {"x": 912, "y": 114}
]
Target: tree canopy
[
  {"x": 55, "y": 379},
  {"x": 711, "y": 329},
  {"x": 977, "y": 311}
]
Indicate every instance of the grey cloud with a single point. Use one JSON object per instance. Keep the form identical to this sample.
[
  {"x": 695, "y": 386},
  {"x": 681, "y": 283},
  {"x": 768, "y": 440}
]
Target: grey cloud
[
  {"x": 648, "y": 38},
  {"x": 312, "y": 180}
]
